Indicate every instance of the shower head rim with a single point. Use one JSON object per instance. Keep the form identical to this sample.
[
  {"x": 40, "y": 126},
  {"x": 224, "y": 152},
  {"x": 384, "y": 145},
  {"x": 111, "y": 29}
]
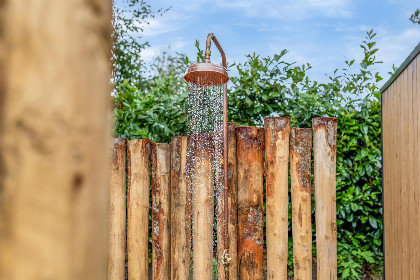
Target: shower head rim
[{"x": 213, "y": 73}]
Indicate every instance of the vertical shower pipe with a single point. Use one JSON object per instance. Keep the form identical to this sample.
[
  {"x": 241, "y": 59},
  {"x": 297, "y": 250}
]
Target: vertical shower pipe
[{"x": 225, "y": 256}]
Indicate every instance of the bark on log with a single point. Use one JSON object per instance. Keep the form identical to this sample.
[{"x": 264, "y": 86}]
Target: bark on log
[
  {"x": 202, "y": 184},
  {"x": 180, "y": 211},
  {"x": 300, "y": 173},
  {"x": 249, "y": 150},
  {"x": 138, "y": 152},
  {"x": 325, "y": 138},
  {"x": 117, "y": 212},
  {"x": 161, "y": 252},
  {"x": 276, "y": 168},
  {"x": 54, "y": 139},
  {"x": 233, "y": 211}
]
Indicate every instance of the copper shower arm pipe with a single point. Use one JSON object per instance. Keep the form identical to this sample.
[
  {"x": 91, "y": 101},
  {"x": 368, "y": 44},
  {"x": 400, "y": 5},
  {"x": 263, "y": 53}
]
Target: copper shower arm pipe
[
  {"x": 225, "y": 256},
  {"x": 210, "y": 37}
]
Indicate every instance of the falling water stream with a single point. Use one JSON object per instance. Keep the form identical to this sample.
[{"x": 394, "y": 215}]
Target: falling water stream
[{"x": 205, "y": 115}]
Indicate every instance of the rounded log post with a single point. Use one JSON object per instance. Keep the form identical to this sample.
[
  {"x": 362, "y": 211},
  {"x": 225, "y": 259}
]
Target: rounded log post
[
  {"x": 138, "y": 153},
  {"x": 55, "y": 137},
  {"x": 300, "y": 173},
  {"x": 161, "y": 168},
  {"x": 117, "y": 212},
  {"x": 180, "y": 211},
  {"x": 249, "y": 150},
  {"x": 202, "y": 187},
  {"x": 325, "y": 138},
  {"x": 233, "y": 214},
  {"x": 277, "y": 198}
]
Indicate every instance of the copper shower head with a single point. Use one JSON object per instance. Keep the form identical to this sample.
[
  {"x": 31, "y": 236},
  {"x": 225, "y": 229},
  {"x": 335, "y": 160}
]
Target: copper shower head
[{"x": 206, "y": 74}]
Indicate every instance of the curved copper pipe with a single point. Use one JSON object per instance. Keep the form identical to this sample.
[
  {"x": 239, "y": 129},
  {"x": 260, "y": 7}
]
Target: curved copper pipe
[
  {"x": 208, "y": 52},
  {"x": 225, "y": 261}
]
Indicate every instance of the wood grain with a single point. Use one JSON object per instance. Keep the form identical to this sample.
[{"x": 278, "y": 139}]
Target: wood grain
[
  {"x": 249, "y": 151},
  {"x": 277, "y": 132},
  {"x": 233, "y": 211},
  {"x": 202, "y": 185},
  {"x": 401, "y": 161},
  {"x": 117, "y": 211},
  {"x": 180, "y": 211},
  {"x": 54, "y": 139},
  {"x": 300, "y": 174},
  {"x": 325, "y": 148},
  {"x": 138, "y": 153},
  {"x": 161, "y": 205}
]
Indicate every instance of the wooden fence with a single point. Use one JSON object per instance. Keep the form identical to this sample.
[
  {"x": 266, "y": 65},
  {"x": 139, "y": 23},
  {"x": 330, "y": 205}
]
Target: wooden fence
[{"x": 255, "y": 153}]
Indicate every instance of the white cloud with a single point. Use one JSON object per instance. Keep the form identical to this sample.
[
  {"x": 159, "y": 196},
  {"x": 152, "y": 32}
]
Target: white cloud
[
  {"x": 158, "y": 26},
  {"x": 149, "y": 54},
  {"x": 281, "y": 9},
  {"x": 394, "y": 47},
  {"x": 290, "y": 10},
  {"x": 152, "y": 52}
]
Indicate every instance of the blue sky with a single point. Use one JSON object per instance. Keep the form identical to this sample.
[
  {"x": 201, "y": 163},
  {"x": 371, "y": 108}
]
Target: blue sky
[{"x": 321, "y": 32}]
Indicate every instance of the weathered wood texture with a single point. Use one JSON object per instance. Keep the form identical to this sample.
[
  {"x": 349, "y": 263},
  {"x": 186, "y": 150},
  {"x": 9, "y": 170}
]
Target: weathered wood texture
[
  {"x": 249, "y": 150},
  {"x": 161, "y": 205},
  {"x": 180, "y": 211},
  {"x": 276, "y": 168},
  {"x": 401, "y": 174},
  {"x": 138, "y": 153},
  {"x": 233, "y": 213},
  {"x": 300, "y": 173},
  {"x": 117, "y": 211},
  {"x": 325, "y": 138},
  {"x": 202, "y": 187},
  {"x": 55, "y": 138}
]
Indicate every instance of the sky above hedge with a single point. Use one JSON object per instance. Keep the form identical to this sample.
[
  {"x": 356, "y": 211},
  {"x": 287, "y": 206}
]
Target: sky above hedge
[{"x": 321, "y": 32}]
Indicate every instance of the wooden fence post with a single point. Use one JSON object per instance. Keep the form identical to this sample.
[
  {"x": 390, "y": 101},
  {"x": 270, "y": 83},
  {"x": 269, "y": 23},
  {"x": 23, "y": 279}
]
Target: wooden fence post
[
  {"x": 325, "y": 138},
  {"x": 161, "y": 200},
  {"x": 276, "y": 169},
  {"x": 180, "y": 211},
  {"x": 117, "y": 212},
  {"x": 202, "y": 187},
  {"x": 249, "y": 149},
  {"x": 300, "y": 173},
  {"x": 54, "y": 139},
  {"x": 233, "y": 212},
  {"x": 138, "y": 153}
]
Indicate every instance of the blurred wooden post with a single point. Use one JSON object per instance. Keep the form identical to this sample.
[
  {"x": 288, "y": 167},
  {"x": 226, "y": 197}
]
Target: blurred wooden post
[
  {"x": 138, "y": 153},
  {"x": 325, "y": 137},
  {"x": 180, "y": 211},
  {"x": 161, "y": 166},
  {"x": 117, "y": 212},
  {"x": 54, "y": 139},
  {"x": 300, "y": 173},
  {"x": 249, "y": 149},
  {"x": 276, "y": 168},
  {"x": 233, "y": 214},
  {"x": 203, "y": 204}
]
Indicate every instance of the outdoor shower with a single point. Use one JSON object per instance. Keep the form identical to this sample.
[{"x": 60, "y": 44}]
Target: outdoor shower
[{"x": 203, "y": 78}]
